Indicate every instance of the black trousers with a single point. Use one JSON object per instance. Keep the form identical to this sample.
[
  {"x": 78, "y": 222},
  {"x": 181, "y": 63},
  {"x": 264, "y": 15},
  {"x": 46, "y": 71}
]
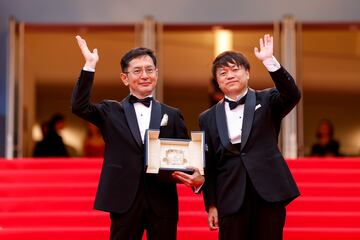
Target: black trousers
[
  {"x": 255, "y": 220},
  {"x": 140, "y": 217}
]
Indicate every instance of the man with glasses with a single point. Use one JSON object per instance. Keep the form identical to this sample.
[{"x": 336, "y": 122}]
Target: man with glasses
[
  {"x": 247, "y": 182},
  {"x": 136, "y": 201}
]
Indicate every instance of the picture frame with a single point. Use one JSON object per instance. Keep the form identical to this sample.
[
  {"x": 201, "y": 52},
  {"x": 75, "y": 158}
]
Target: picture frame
[{"x": 165, "y": 154}]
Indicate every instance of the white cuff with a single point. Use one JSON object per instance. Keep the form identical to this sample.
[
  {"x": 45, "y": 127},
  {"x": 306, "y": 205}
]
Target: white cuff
[
  {"x": 89, "y": 69},
  {"x": 197, "y": 189},
  {"x": 271, "y": 64}
]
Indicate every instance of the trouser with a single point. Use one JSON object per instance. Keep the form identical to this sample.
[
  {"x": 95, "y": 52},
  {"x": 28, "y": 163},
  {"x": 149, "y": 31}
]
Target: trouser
[
  {"x": 255, "y": 220},
  {"x": 140, "y": 217}
]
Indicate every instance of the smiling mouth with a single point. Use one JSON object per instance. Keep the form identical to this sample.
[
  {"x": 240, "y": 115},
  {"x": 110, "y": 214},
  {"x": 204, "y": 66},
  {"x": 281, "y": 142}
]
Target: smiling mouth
[
  {"x": 145, "y": 83},
  {"x": 231, "y": 82}
]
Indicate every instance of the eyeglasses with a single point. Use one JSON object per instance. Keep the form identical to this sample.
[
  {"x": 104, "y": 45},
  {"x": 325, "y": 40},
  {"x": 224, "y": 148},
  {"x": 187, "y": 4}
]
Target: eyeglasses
[
  {"x": 139, "y": 71},
  {"x": 224, "y": 72}
]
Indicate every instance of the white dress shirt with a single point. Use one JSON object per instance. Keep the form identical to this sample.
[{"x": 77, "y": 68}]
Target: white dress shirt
[
  {"x": 143, "y": 115},
  {"x": 234, "y": 119}
]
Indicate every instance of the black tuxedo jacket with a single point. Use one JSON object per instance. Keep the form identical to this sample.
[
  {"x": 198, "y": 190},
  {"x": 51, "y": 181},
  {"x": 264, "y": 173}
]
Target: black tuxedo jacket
[
  {"x": 259, "y": 155},
  {"x": 123, "y": 171}
]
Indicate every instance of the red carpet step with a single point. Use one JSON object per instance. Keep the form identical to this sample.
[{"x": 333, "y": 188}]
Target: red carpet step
[{"x": 43, "y": 199}]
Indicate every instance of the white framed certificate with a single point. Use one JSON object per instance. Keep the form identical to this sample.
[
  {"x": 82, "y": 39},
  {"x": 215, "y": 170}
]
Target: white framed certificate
[{"x": 164, "y": 154}]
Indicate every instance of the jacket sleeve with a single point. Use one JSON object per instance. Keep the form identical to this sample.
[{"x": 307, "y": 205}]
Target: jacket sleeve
[
  {"x": 80, "y": 101},
  {"x": 209, "y": 187},
  {"x": 286, "y": 94},
  {"x": 180, "y": 127}
]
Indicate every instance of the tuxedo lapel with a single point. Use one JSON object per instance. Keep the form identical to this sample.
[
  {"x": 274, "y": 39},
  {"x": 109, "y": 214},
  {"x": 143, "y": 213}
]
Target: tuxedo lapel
[
  {"x": 132, "y": 120},
  {"x": 155, "y": 118},
  {"x": 221, "y": 125},
  {"x": 249, "y": 110}
]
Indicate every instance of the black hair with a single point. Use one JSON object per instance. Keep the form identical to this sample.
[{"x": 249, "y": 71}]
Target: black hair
[
  {"x": 54, "y": 120},
  {"x": 134, "y": 53},
  {"x": 228, "y": 57}
]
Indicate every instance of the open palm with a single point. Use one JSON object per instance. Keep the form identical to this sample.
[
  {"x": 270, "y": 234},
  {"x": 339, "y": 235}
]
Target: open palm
[
  {"x": 266, "y": 48},
  {"x": 91, "y": 58}
]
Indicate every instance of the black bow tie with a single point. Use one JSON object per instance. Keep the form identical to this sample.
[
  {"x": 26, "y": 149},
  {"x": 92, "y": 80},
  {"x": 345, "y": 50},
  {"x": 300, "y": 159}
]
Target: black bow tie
[
  {"x": 146, "y": 101},
  {"x": 234, "y": 104}
]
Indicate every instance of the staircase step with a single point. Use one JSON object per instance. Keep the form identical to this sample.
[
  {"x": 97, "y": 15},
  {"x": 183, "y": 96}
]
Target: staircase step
[
  {"x": 333, "y": 219},
  {"x": 51, "y": 163},
  {"x": 320, "y": 163},
  {"x": 82, "y": 219},
  {"x": 89, "y": 189},
  {"x": 54, "y": 219},
  {"x": 191, "y": 203},
  {"x": 53, "y": 199},
  {"x": 327, "y": 204},
  {"x": 47, "y": 189},
  {"x": 44, "y": 204},
  {"x": 75, "y": 203},
  {"x": 326, "y": 175},
  {"x": 303, "y": 203},
  {"x": 330, "y": 189},
  {"x": 95, "y": 163},
  {"x": 59, "y": 233},
  {"x": 92, "y": 233},
  {"x": 316, "y": 233},
  {"x": 195, "y": 219},
  {"x": 49, "y": 175},
  {"x": 198, "y": 233},
  {"x": 307, "y": 188}
]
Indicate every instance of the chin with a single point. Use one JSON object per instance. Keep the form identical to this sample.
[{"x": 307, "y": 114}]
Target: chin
[
  {"x": 234, "y": 90},
  {"x": 146, "y": 92}
]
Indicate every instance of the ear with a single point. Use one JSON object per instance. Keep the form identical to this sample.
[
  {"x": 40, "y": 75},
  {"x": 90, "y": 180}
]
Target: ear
[
  {"x": 124, "y": 79},
  {"x": 247, "y": 74}
]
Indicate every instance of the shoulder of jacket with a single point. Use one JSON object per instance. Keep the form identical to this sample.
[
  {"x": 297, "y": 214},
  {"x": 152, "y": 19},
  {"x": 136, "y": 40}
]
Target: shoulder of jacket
[
  {"x": 168, "y": 108},
  {"x": 208, "y": 112}
]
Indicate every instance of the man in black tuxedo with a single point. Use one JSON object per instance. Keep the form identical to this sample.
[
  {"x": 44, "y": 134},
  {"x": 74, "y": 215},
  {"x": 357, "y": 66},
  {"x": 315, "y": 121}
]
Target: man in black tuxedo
[
  {"x": 136, "y": 201},
  {"x": 247, "y": 182}
]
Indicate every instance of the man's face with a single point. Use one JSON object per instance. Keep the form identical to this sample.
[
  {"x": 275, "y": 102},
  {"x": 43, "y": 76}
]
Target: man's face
[
  {"x": 232, "y": 79},
  {"x": 141, "y": 76}
]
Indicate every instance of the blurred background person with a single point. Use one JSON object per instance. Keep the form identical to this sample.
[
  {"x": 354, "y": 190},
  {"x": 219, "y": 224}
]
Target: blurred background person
[
  {"x": 94, "y": 144},
  {"x": 52, "y": 144},
  {"x": 215, "y": 94},
  {"x": 326, "y": 145}
]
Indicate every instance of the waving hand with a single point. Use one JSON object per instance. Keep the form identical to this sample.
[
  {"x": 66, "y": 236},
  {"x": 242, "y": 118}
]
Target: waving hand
[
  {"x": 91, "y": 58},
  {"x": 266, "y": 48}
]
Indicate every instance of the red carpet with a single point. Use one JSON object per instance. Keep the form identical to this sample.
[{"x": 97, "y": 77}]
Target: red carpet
[{"x": 47, "y": 199}]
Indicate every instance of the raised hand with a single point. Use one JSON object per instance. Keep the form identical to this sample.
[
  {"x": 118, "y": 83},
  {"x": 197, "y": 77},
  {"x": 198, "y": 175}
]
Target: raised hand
[
  {"x": 266, "y": 48},
  {"x": 91, "y": 58}
]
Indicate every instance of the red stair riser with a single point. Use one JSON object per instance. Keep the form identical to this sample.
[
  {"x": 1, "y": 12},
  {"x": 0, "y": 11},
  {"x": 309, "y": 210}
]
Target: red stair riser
[
  {"x": 47, "y": 190},
  {"x": 54, "y": 219},
  {"x": 52, "y": 199},
  {"x": 328, "y": 204},
  {"x": 46, "y": 176},
  {"x": 321, "y": 163},
  {"x": 55, "y": 163},
  {"x": 323, "y": 219}
]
